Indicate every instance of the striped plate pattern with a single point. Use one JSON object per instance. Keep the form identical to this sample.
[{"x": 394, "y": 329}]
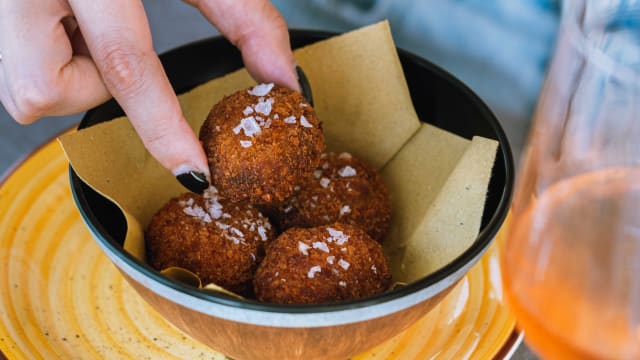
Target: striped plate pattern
[{"x": 61, "y": 298}]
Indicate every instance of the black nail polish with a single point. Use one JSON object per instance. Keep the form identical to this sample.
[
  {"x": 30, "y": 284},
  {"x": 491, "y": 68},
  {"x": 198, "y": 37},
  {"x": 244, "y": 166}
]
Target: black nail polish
[
  {"x": 305, "y": 87},
  {"x": 194, "y": 181}
]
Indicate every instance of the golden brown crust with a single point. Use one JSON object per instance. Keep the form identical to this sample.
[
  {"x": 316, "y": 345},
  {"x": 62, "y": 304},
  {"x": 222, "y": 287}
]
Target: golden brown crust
[
  {"x": 220, "y": 241},
  {"x": 342, "y": 189},
  {"x": 263, "y": 158},
  {"x": 322, "y": 264}
]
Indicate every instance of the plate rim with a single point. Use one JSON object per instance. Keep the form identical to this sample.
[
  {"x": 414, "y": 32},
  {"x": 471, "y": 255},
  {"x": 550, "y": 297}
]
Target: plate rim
[{"x": 506, "y": 350}]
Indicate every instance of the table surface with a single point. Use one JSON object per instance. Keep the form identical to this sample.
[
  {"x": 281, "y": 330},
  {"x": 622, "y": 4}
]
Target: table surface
[{"x": 17, "y": 141}]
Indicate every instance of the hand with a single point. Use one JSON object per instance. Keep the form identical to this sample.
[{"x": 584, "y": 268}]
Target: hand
[{"x": 66, "y": 56}]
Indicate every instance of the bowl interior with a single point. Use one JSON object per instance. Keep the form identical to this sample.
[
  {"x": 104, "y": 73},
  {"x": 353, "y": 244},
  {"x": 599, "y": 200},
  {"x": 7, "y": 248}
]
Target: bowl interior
[{"x": 437, "y": 96}]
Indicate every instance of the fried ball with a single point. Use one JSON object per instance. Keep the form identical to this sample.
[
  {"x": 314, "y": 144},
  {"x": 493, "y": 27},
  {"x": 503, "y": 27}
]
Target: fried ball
[
  {"x": 261, "y": 143},
  {"x": 322, "y": 264},
  {"x": 220, "y": 241},
  {"x": 342, "y": 189}
]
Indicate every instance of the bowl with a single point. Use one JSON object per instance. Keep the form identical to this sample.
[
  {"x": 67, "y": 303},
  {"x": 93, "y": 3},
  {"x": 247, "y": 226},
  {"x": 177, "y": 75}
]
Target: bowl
[{"x": 246, "y": 329}]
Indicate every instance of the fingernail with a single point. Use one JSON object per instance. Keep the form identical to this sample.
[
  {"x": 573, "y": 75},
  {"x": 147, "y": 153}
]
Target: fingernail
[
  {"x": 194, "y": 181},
  {"x": 305, "y": 87}
]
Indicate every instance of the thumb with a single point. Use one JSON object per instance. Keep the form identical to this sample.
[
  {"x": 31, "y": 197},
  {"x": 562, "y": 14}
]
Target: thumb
[{"x": 260, "y": 32}]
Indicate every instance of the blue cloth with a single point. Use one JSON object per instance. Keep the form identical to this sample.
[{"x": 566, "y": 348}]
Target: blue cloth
[{"x": 500, "y": 48}]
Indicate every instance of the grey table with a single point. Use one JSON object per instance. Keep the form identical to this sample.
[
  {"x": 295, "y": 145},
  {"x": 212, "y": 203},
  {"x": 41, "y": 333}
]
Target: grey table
[{"x": 17, "y": 141}]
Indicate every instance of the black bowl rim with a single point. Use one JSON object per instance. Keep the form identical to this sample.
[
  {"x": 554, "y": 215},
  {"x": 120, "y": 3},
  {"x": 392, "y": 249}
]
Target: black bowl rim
[{"x": 479, "y": 246}]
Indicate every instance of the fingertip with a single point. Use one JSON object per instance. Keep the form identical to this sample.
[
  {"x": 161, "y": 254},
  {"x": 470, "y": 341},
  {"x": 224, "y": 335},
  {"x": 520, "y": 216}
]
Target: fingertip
[
  {"x": 288, "y": 78},
  {"x": 293, "y": 82},
  {"x": 194, "y": 181},
  {"x": 188, "y": 158},
  {"x": 173, "y": 143},
  {"x": 258, "y": 29},
  {"x": 271, "y": 66}
]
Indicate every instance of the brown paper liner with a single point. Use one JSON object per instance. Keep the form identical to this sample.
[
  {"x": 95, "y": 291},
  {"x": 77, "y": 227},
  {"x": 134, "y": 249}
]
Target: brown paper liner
[{"x": 438, "y": 181}]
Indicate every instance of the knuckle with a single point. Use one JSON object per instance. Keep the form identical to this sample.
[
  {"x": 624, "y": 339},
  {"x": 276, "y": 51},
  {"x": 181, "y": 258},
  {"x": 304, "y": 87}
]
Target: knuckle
[
  {"x": 12, "y": 110},
  {"x": 159, "y": 145},
  {"x": 278, "y": 22},
  {"x": 161, "y": 137},
  {"x": 34, "y": 99},
  {"x": 272, "y": 25},
  {"x": 122, "y": 68},
  {"x": 157, "y": 141}
]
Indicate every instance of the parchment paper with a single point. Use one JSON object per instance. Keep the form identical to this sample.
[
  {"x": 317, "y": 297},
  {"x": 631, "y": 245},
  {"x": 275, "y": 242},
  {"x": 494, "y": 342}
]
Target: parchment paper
[{"x": 438, "y": 181}]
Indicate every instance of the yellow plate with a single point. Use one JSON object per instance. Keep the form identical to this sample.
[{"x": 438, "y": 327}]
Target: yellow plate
[{"x": 60, "y": 297}]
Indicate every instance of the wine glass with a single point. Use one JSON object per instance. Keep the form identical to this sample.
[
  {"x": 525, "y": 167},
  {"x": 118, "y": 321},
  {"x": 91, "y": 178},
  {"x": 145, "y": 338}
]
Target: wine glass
[{"x": 572, "y": 256}]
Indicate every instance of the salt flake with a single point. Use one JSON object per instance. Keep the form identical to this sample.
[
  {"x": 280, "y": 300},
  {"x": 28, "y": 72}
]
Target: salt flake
[
  {"x": 322, "y": 246},
  {"x": 245, "y": 143},
  {"x": 338, "y": 236},
  {"x": 197, "y": 212},
  {"x": 262, "y": 232},
  {"x": 261, "y": 89},
  {"x": 304, "y": 122},
  {"x": 345, "y": 210},
  {"x": 347, "y": 171},
  {"x": 214, "y": 207},
  {"x": 313, "y": 270},
  {"x": 249, "y": 125},
  {"x": 222, "y": 226},
  {"x": 248, "y": 110},
  {"x": 264, "y": 106},
  {"x": 184, "y": 203},
  {"x": 290, "y": 120},
  {"x": 324, "y": 182},
  {"x": 210, "y": 192},
  {"x": 304, "y": 248},
  {"x": 344, "y": 264},
  {"x": 237, "y": 232}
]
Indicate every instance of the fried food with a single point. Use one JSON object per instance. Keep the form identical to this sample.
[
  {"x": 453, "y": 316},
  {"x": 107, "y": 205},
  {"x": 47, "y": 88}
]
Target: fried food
[
  {"x": 320, "y": 265},
  {"x": 342, "y": 189},
  {"x": 220, "y": 241},
  {"x": 261, "y": 142}
]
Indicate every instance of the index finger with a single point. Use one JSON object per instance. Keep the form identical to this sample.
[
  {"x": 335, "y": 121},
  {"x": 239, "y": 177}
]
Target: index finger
[{"x": 118, "y": 37}]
